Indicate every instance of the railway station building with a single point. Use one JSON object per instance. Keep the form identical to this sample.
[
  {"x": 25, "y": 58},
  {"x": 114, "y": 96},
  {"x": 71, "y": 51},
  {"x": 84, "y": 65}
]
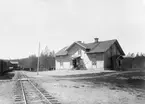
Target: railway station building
[{"x": 86, "y": 56}]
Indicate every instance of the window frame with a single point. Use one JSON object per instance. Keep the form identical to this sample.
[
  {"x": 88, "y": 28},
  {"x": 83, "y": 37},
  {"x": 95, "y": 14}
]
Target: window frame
[
  {"x": 80, "y": 52},
  {"x": 94, "y": 62},
  {"x": 61, "y": 63}
]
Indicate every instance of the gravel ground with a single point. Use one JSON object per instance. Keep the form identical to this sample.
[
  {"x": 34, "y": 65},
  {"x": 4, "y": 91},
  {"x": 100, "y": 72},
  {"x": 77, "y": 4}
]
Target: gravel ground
[
  {"x": 6, "y": 89},
  {"x": 103, "y": 90},
  {"x": 6, "y": 95}
]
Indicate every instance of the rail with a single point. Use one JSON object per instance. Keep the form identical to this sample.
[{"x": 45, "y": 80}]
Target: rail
[{"x": 27, "y": 90}]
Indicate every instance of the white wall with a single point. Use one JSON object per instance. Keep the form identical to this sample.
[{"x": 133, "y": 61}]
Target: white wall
[
  {"x": 74, "y": 51},
  {"x": 66, "y": 65},
  {"x": 86, "y": 60},
  {"x": 100, "y": 64},
  {"x": 57, "y": 64}
]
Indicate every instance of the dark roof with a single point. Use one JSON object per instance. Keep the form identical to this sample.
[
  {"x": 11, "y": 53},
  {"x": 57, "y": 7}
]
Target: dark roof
[
  {"x": 88, "y": 45},
  {"x": 14, "y": 62},
  {"x": 102, "y": 46},
  {"x": 95, "y": 47},
  {"x": 62, "y": 52}
]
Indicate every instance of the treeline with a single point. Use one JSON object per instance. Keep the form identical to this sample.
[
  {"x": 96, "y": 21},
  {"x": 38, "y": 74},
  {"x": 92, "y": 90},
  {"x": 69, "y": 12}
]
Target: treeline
[
  {"x": 46, "y": 61},
  {"x": 134, "y": 61}
]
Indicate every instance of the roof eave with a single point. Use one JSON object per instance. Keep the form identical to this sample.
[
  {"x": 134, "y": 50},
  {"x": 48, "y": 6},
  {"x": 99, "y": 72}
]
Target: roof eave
[
  {"x": 81, "y": 45},
  {"x": 76, "y": 43},
  {"x": 120, "y": 48},
  {"x": 61, "y": 55},
  {"x": 94, "y": 52}
]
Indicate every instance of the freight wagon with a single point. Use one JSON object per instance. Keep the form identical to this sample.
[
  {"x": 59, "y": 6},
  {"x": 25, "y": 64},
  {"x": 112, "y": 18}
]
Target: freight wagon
[{"x": 4, "y": 66}]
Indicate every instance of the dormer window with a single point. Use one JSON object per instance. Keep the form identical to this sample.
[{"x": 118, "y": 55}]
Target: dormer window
[{"x": 87, "y": 50}]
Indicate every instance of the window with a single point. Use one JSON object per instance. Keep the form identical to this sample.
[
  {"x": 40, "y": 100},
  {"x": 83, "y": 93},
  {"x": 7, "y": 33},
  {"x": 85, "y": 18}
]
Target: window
[
  {"x": 93, "y": 63},
  {"x": 79, "y": 52},
  {"x": 61, "y": 63}
]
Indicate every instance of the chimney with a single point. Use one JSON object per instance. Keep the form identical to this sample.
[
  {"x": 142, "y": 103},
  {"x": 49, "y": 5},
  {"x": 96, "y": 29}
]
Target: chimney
[
  {"x": 96, "y": 39},
  {"x": 79, "y": 41}
]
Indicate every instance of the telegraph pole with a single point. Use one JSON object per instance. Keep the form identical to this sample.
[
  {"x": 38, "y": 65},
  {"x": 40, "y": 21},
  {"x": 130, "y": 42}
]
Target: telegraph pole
[{"x": 38, "y": 59}]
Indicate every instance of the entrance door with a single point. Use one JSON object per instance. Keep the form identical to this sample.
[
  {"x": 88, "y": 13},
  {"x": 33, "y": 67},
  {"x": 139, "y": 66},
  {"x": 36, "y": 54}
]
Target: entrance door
[
  {"x": 76, "y": 63},
  {"x": 100, "y": 64}
]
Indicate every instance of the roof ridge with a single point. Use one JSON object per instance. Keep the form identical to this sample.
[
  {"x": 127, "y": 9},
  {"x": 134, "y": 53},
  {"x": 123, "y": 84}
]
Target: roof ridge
[
  {"x": 95, "y": 45},
  {"x": 102, "y": 46},
  {"x": 81, "y": 44},
  {"x": 100, "y": 41},
  {"x": 108, "y": 40}
]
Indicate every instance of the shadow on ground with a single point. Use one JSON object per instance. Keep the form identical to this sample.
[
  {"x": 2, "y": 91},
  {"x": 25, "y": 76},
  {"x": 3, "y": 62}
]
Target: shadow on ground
[
  {"x": 7, "y": 76},
  {"x": 126, "y": 80},
  {"x": 84, "y": 75}
]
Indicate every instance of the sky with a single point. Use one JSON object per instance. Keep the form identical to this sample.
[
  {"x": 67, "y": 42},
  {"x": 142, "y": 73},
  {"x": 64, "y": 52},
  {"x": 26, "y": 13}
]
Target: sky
[{"x": 58, "y": 23}]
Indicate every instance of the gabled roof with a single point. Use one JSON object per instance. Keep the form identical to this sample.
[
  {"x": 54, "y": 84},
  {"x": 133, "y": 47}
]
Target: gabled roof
[
  {"x": 94, "y": 47},
  {"x": 88, "y": 45},
  {"x": 62, "y": 52},
  {"x": 14, "y": 62},
  {"x": 102, "y": 46}
]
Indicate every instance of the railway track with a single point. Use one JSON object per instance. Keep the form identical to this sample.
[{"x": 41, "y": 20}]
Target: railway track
[{"x": 28, "y": 92}]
